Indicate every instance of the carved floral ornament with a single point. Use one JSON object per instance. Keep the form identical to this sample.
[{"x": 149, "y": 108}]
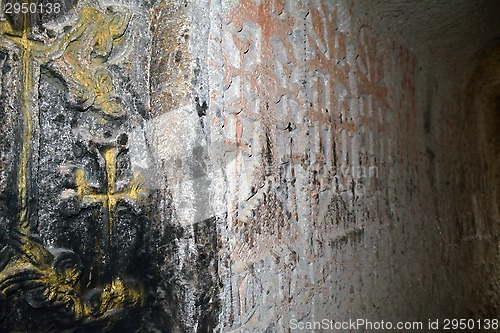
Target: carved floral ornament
[{"x": 46, "y": 278}]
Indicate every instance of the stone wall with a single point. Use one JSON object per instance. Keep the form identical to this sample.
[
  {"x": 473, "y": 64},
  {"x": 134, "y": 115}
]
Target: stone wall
[
  {"x": 340, "y": 139},
  {"x": 239, "y": 165},
  {"x": 323, "y": 188}
]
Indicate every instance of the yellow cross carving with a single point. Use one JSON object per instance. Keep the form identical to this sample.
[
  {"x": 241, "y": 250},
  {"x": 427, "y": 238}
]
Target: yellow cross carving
[
  {"x": 111, "y": 197},
  {"x": 95, "y": 32},
  {"x": 28, "y": 55}
]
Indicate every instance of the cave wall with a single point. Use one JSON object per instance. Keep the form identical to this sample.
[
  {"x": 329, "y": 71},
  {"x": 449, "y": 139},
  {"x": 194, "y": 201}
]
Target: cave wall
[
  {"x": 270, "y": 161},
  {"x": 328, "y": 175},
  {"x": 347, "y": 139}
]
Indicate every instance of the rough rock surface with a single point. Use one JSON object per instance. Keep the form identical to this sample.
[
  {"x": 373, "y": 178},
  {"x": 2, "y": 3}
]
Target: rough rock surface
[{"x": 234, "y": 165}]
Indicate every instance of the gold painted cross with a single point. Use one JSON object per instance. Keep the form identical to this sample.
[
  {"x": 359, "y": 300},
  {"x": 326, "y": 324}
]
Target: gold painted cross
[
  {"x": 29, "y": 51},
  {"x": 32, "y": 264},
  {"x": 96, "y": 30},
  {"x": 111, "y": 198}
]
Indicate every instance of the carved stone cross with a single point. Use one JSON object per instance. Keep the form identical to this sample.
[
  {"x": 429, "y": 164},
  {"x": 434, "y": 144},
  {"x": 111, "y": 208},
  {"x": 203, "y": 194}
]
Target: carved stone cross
[
  {"x": 111, "y": 197},
  {"x": 28, "y": 53},
  {"x": 38, "y": 276}
]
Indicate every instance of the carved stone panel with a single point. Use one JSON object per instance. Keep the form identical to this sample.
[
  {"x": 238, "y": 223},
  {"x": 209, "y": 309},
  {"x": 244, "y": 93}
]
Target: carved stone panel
[{"x": 86, "y": 239}]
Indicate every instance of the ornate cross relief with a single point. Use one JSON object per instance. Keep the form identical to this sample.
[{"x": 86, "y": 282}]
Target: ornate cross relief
[
  {"x": 111, "y": 197},
  {"x": 34, "y": 277}
]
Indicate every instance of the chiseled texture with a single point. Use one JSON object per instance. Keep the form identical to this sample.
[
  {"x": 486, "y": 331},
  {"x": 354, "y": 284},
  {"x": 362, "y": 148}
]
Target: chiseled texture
[
  {"x": 300, "y": 159},
  {"x": 354, "y": 182},
  {"x": 447, "y": 27}
]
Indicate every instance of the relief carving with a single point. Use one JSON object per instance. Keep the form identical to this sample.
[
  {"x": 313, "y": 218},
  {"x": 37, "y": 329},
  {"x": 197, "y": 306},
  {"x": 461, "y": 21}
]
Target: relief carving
[
  {"x": 48, "y": 277},
  {"x": 111, "y": 197},
  {"x": 86, "y": 48}
]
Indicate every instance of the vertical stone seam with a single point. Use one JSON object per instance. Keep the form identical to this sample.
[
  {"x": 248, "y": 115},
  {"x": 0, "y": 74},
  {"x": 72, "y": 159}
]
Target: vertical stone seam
[{"x": 215, "y": 109}]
